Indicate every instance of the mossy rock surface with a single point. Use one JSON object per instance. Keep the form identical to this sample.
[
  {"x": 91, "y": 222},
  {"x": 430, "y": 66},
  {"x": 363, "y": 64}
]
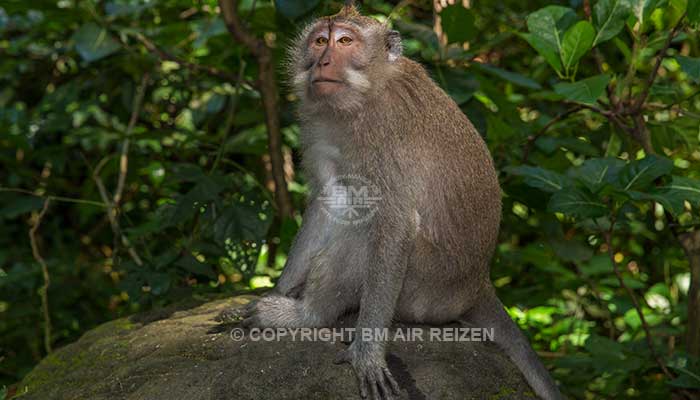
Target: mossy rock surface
[{"x": 182, "y": 353}]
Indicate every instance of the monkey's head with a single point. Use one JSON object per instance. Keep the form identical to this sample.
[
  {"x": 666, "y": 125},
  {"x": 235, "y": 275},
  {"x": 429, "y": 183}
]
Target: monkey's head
[{"x": 339, "y": 60}]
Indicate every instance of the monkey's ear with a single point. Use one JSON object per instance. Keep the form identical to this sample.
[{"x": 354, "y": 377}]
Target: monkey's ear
[{"x": 393, "y": 45}]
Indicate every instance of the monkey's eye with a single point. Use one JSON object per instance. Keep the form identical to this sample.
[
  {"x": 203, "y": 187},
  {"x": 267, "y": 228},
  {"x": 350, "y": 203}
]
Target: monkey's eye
[
  {"x": 345, "y": 40},
  {"x": 321, "y": 41}
]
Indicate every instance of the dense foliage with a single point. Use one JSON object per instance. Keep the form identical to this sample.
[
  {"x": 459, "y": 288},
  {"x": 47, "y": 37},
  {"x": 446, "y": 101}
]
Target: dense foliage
[{"x": 135, "y": 171}]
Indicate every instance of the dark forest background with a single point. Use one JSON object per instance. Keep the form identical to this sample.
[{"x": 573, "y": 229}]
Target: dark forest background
[{"x": 149, "y": 153}]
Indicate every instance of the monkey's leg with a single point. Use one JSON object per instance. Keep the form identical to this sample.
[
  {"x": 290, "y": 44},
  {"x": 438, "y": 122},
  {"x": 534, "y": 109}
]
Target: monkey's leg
[
  {"x": 331, "y": 288},
  {"x": 489, "y": 313},
  {"x": 312, "y": 237},
  {"x": 388, "y": 259}
]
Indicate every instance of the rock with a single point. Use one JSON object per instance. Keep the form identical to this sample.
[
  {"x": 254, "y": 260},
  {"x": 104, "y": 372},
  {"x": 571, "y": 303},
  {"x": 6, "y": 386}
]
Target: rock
[{"x": 182, "y": 353}]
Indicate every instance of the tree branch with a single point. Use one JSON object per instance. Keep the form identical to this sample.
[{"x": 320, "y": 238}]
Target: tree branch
[
  {"x": 654, "y": 72},
  {"x": 268, "y": 91},
  {"x": 124, "y": 158},
  {"x": 44, "y": 290},
  {"x": 690, "y": 242},
  {"x": 532, "y": 138},
  {"x": 635, "y": 302}
]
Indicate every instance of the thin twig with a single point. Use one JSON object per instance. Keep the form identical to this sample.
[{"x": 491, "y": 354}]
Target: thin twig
[
  {"x": 44, "y": 290},
  {"x": 659, "y": 59},
  {"x": 124, "y": 157},
  {"x": 112, "y": 215},
  {"x": 52, "y": 197},
  {"x": 532, "y": 138},
  {"x": 164, "y": 55},
  {"x": 635, "y": 302},
  {"x": 230, "y": 114}
]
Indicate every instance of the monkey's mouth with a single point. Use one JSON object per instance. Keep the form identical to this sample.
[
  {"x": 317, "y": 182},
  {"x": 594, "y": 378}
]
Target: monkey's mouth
[{"x": 326, "y": 80}]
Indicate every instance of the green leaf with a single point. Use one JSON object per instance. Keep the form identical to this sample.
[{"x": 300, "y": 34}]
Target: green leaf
[
  {"x": 551, "y": 55},
  {"x": 690, "y": 65},
  {"x": 640, "y": 174},
  {"x": 547, "y": 26},
  {"x": 189, "y": 263},
  {"x": 94, "y": 43},
  {"x": 673, "y": 196},
  {"x": 294, "y": 9},
  {"x": 457, "y": 23},
  {"x": 595, "y": 173},
  {"x": 550, "y": 23},
  {"x": 693, "y": 11},
  {"x": 241, "y": 222},
  {"x": 509, "y": 76},
  {"x": 609, "y": 17},
  {"x": 577, "y": 203},
  {"x": 550, "y": 144},
  {"x": 20, "y": 205},
  {"x": 577, "y": 41},
  {"x": 642, "y": 9},
  {"x": 135, "y": 8},
  {"x": 585, "y": 91},
  {"x": 540, "y": 178},
  {"x": 424, "y": 34}
]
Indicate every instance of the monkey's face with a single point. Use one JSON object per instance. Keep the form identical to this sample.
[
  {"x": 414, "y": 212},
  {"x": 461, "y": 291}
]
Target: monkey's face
[
  {"x": 338, "y": 61},
  {"x": 335, "y": 55}
]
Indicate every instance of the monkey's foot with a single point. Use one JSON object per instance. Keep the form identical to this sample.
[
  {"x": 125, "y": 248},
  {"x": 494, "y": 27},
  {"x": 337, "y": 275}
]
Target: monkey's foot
[
  {"x": 273, "y": 312},
  {"x": 373, "y": 375}
]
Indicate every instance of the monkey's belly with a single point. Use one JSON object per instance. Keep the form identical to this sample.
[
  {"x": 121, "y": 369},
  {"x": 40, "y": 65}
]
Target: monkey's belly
[{"x": 439, "y": 288}]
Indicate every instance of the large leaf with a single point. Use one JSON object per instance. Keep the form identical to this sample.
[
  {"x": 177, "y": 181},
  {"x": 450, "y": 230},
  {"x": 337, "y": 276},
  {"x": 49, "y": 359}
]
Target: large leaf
[
  {"x": 642, "y": 9},
  {"x": 550, "y": 54},
  {"x": 610, "y": 17},
  {"x": 547, "y": 26},
  {"x": 241, "y": 222},
  {"x": 690, "y": 65},
  {"x": 189, "y": 263},
  {"x": 674, "y": 195},
  {"x": 550, "y": 23},
  {"x": 585, "y": 91},
  {"x": 577, "y": 203},
  {"x": 293, "y": 9},
  {"x": 640, "y": 174},
  {"x": 577, "y": 41},
  {"x": 694, "y": 11},
  {"x": 509, "y": 76},
  {"x": 595, "y": 173},
  {"x": 540, "y": 178},
  {"x": 94, "y": 43},
  {"x": 457, "y": 23}
]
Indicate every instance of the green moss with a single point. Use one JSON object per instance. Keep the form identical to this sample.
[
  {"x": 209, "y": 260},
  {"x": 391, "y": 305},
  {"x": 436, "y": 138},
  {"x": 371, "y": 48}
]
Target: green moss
[{"x": 503, "y": 393}]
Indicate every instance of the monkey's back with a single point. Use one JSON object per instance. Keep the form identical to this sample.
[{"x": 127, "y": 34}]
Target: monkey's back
[{"x": 446, "y": 173}]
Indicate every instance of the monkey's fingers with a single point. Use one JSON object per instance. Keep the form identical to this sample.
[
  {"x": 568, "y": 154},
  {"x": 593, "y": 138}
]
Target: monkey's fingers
[{"x": 392, "y": 382}]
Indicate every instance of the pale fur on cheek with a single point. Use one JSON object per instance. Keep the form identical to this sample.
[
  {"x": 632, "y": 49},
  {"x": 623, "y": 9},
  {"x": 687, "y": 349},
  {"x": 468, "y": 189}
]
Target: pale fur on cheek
[
  {"x": 300, "y": 79},
  {"x": 357, "y": 80}
]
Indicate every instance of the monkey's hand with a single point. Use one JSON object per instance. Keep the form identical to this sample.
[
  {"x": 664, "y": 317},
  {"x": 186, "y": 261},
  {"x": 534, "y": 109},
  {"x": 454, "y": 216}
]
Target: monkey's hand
[{"x": 373, "y": 375}]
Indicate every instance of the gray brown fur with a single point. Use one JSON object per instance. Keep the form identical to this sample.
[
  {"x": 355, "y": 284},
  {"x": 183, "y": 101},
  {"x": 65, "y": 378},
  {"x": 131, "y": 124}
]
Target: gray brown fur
[{"x": 425, "y": 255}]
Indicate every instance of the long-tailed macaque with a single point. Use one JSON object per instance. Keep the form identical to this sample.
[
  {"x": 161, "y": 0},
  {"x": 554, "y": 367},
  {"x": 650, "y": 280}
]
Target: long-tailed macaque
[{"x": 423, "y": 253}]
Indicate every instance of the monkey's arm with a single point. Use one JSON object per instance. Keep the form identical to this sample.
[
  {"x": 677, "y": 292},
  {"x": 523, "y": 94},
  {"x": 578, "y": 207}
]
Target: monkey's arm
[
  {"x": 312, "y": 236},
  {"x": 387, "y": 264}
]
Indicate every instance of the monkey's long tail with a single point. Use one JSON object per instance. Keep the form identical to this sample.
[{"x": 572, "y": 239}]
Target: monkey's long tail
[{"x": 489, "y": 313}]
